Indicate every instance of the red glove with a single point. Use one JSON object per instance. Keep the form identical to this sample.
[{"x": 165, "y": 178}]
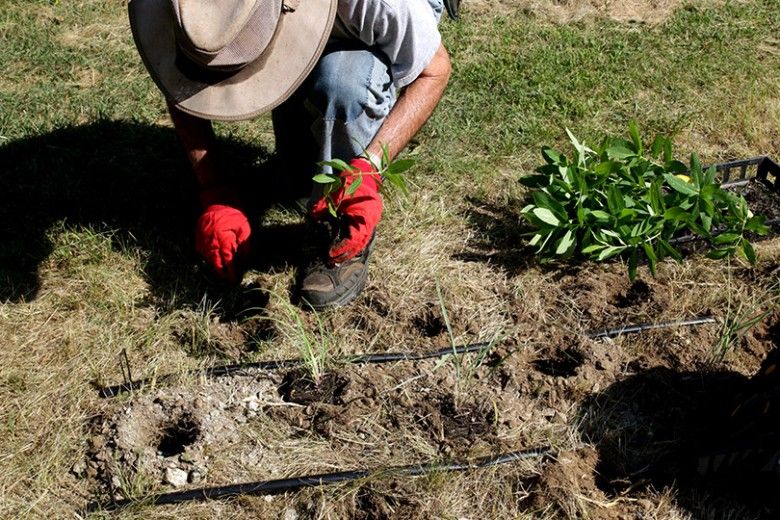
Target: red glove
[
  {"x": 361, "y": 211},
  {"x": 222, "y": 235}
]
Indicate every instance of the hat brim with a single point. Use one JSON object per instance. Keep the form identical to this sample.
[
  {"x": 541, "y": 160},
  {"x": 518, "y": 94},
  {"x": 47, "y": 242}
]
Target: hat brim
[{"x": 255, "y": 89}]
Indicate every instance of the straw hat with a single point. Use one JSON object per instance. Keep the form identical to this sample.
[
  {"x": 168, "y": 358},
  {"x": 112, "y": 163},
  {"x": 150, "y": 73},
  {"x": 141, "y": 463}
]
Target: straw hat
[{"x": 230, "y": 59}]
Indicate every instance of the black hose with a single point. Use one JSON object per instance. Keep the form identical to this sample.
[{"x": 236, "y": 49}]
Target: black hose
[
  {"x": 628, "y": 329},
  {"x": 288, "y": 484},
  {"x": 226, "y": 370}
]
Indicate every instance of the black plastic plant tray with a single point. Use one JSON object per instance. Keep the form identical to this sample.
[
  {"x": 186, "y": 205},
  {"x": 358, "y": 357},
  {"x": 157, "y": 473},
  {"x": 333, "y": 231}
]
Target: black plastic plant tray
[{"x": 759, "y": 174}]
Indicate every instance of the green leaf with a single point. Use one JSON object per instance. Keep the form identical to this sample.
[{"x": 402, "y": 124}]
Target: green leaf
[
  {"x": 610, "y": 252},
  {"x": 535, "y": 239},
  {"x": 679, "y": 185},
  {"x": 400, "y": 166},
  {"x": 354, "y": 186},
  {"x": 607, "y": 167},
  {"x": 544, "y": 200},
  {"x": 337, "y": 165},
  {"x": 632, "y": 265},
  {"x": 552, "y": 156},
  {"x": 325, "y": 178},
  {"x": 717, "y": 254},
  {"x": 669, "y": 249},
  {"x": 565, "y": 243},
  {"x": 695, "y": 164},
  {"x": 614, "y": 199},
  {"x": 546, "y": 216},
  {"x": 397, "y": 181},
  {"x": 652, "y": 259},
  {"x": 748, "y": 251},
  {"x": 582, "y": 150},
  {"x": 593, "y": 248},
  {"x": 726, "y": 238},
  {"x": 619, "y": 153},
  {"x": 756, "y": 225},
  {"x": 633, "y": 131},
  {"x": 599, "y": 215}
]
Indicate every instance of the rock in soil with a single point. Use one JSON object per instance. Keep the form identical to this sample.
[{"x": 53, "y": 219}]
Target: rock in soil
[{"x": 176, "y": 477}]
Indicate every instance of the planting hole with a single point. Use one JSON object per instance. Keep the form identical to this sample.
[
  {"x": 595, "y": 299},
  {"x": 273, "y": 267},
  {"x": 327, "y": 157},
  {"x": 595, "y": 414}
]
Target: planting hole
[
  {"x": 638, "y": 293},
  {"x": 563, "y": 364},
  {"x": 176, "y": 436},
  {"x": 430, "y": 324}
]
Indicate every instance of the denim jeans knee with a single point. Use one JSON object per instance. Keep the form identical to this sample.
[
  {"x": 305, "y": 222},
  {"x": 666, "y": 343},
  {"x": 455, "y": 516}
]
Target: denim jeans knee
[{"x": 349, "y": 97}]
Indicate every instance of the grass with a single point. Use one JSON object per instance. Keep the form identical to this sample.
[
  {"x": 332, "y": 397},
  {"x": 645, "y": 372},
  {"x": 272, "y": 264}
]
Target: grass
[{"x": 96, "y": 257}]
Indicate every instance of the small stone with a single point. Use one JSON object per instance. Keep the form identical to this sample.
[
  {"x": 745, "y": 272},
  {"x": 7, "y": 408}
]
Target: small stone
[
  {"x": 92, "y": 472},
  {"x": 176, "y": 477},
  {"x": 268, "y": 498},
  {"x": 115, "y": 482},
  {"x": 187, "y": 457},
  {"x": 79, "y": 468},
  {"x": 195, "y": 477},
  {"x": 290, "y": 514}
]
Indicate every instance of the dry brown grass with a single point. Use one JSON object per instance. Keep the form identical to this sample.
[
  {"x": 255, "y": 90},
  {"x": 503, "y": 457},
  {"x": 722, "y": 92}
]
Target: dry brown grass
[{"x": 453, "y": 246}]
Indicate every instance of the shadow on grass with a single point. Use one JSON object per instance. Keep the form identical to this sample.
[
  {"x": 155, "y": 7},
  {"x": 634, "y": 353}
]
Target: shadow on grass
[
  {"x": 132, "y": 181},
  {"x": 713, "y": 438},
  {"x": 500, "y": 237}
]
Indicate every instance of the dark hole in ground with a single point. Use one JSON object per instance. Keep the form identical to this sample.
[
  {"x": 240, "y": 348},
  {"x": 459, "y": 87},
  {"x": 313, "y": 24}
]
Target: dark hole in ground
[
  {"x": 430, "y": 323},
  {"x": 563, "y": 364},
  {"x": 299, "y": 387},
  {"x": 176, "y": 436},
  {"x": 638, "y": 293}
]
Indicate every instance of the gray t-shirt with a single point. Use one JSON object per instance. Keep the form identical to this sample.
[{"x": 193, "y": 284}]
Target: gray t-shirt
[{"x": 406, "y": 31}]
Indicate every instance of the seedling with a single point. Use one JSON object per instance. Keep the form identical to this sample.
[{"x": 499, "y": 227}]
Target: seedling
[
  {"x": 625, "y": 198},
  {"x": 313, "y": 348},
  {"x": 345, "y": 175}
]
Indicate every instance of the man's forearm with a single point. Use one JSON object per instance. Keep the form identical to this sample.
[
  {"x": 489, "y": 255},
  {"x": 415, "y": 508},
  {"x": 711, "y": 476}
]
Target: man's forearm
[
  {"x": 414, "y": 107},
  {"x": 197, "y": 139}
]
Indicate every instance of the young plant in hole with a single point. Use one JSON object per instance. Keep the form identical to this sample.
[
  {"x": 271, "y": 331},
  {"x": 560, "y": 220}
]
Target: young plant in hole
[
  {"x": 629, "y": 199},
  {"x": 313, "y": 348},
  {"x": 466, "y": 367},
  {"x": 344, "y": 174}
]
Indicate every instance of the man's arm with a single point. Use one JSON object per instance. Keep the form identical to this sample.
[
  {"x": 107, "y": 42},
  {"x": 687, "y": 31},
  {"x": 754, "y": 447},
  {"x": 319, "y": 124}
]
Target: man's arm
[
  {"x": 196, "y": 136},
  {"x": 223, "y": 231},
  {"x": 414, "y": 106}
]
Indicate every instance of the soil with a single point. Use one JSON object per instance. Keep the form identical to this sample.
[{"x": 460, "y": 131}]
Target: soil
[
  {"x": 172, "y": 429},
  {"x": 299, "y": 387},
  {"x": 762, "y": 200},
  {"x": 622, "y": 413}
]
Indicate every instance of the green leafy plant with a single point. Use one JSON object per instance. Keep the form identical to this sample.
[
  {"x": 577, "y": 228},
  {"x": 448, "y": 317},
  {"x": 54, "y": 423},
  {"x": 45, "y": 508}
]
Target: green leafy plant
[
  {"x": 626, "y": 198},
  {"x": 390, "y": 171}
]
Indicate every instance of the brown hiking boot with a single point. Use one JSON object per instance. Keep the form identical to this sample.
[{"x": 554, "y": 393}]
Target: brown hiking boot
[{"x": 326, "y": 286}]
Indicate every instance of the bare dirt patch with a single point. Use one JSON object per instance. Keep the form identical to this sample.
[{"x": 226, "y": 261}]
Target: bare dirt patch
[
  {"x": 166, "y": 437},
  {"x": 650, "y": 12}
]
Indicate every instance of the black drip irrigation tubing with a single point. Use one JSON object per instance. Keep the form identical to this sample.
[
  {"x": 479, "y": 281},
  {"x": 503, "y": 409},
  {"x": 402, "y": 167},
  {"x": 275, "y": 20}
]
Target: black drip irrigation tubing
[
  {"x": 632, "y": 329},
  {"x": 388, "y": 357},
  {"x": 268, "y": 487},
  {"x": 226, "y": 370}
]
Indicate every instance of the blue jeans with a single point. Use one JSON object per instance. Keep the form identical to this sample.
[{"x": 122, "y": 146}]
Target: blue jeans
[{"x": 339, "y": 108}]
